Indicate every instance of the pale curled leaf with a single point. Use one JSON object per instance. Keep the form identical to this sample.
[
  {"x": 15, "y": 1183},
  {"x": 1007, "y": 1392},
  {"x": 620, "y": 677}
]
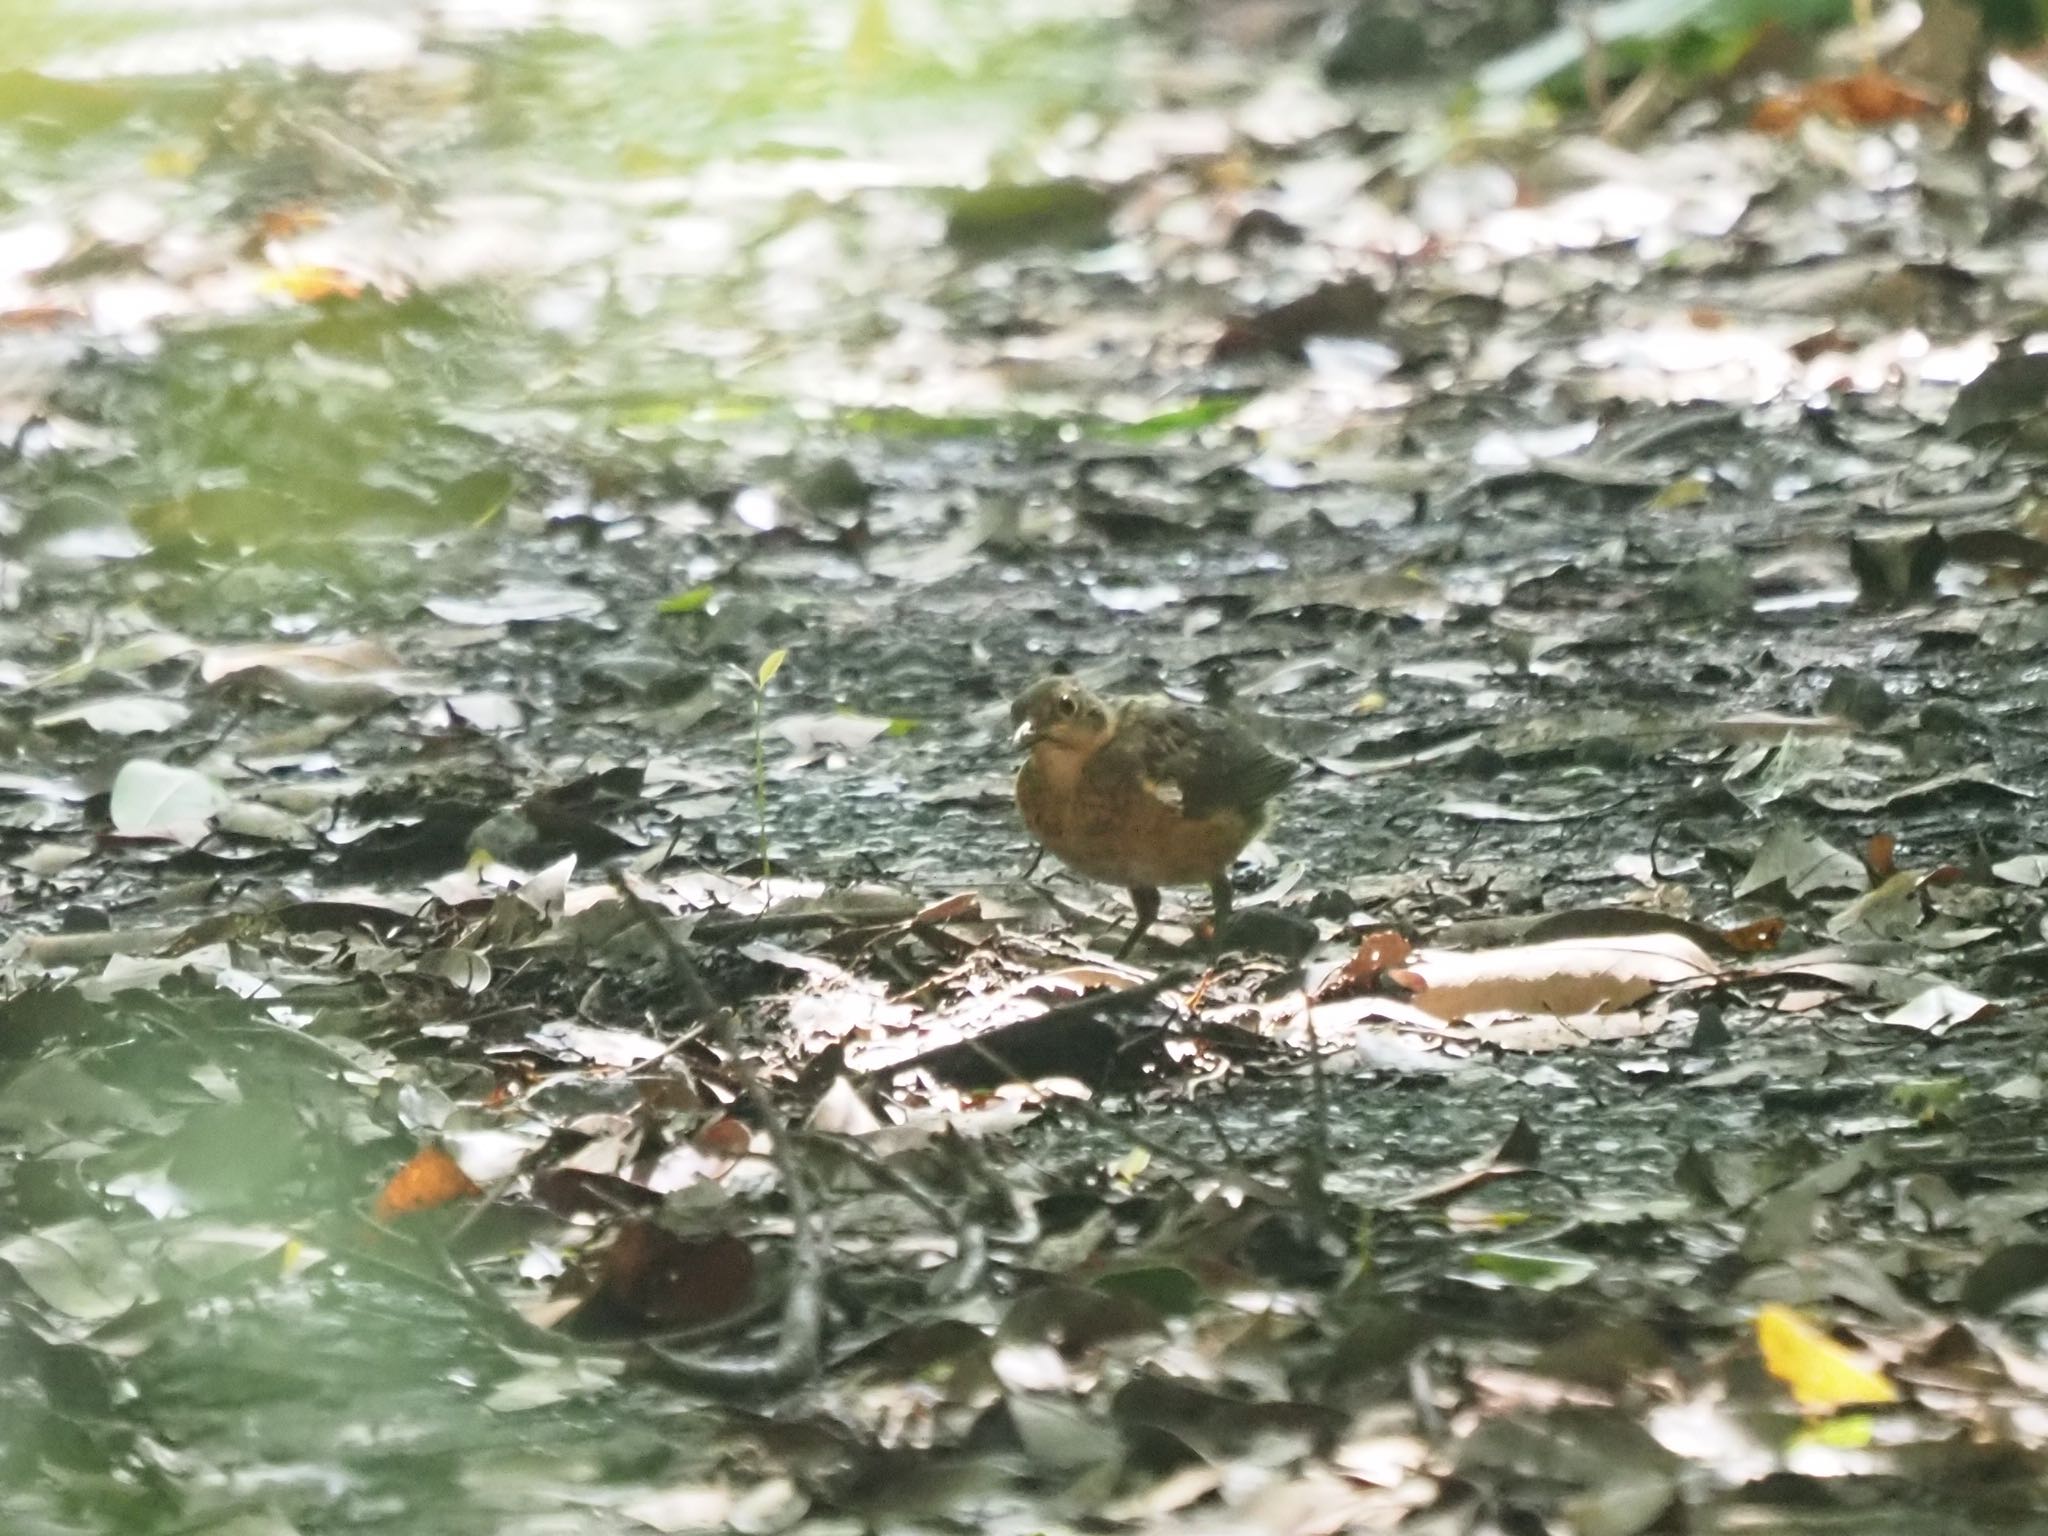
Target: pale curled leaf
[
  {"x": 129, "y": 714},
  {"x": 153, "y": 799}
]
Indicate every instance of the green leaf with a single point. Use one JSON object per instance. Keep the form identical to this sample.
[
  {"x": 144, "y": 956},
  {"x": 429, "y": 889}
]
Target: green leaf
[
  {"x": 1166, "y": 1288},
  {"x": 770, "y": 667},
  {"x": 692, "y": 601},
  {"x": 1533, "y": 1271},
  {"x": 1186, "y": 418}
]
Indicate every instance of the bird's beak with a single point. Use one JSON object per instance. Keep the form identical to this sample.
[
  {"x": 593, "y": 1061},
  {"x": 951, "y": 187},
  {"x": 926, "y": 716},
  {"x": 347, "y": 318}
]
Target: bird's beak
[{"x": 1026, "y": 735}]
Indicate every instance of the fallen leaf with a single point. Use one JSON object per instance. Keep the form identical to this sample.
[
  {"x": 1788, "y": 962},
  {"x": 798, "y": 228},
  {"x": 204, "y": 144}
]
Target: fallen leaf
[
  {"x": 133, "y": 714},
  {"x": 430, "y": 1179},
  {"x": 308, "y": 284},
  {"x": 1821, "y": 1374},
  {"x": 1801, "y": 864},
  {"x": 152, "y": 799},
  {"x": 1375, "y": 955},
  {"x": 1558, "y": 979}
]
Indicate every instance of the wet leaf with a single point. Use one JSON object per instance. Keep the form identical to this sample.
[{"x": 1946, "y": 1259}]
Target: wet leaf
[
  {"x": 1000, "y": 219},
  {"x": 518, "y": 603},
  {"x": 2006, "y": 1275},
  {"x": 79, "y": 1267},
  {"x": 650, "y": 1278},
  {"x": 1801, "y": 864},
  {"x": 1940, "y": 1008}
]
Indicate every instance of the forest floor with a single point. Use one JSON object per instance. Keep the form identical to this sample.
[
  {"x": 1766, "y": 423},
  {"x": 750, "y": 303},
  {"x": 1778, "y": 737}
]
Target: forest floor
[{"x": 522, "y": 1006}]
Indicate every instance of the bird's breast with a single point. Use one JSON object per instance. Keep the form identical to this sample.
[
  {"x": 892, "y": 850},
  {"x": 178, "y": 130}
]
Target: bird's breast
[{"x": 1114, "y": 829}]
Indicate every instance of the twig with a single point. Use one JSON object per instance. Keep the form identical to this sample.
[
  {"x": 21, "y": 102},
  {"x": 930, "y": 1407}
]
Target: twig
[
  {"x": 712, "y": 930},
  {"x": 457, "y": 1285},
  {"x": 970, "y": 1239},
  {"x": 1249, "y": 1183},
  {"x": 800, "y": 1344},
  {"x": 1315, "y": 1157}
]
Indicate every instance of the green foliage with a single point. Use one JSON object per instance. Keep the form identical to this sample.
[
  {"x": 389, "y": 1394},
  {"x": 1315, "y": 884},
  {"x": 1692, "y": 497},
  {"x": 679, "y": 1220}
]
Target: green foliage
[
  {"x": 1695, "y": 37},
  {"x": 694, "y": 600}
]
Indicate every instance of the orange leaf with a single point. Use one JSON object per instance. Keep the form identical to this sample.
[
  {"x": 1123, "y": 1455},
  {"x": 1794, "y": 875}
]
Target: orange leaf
[
  {"x": 1778, "y": 114},
  {"x": 1754, "y": 938},
  {"x": 1873, "y": 98},
  {"x": 432, "y": 1178},
  {"x": 39, "y": 317},
  {"x": 288, "y": 219},
  {"x": 1877, "y": 856},
  {"x": 724, "y": 1137},
  {"x": 1377, "y": 953},
  {"x": 1821, "y": 1373}
]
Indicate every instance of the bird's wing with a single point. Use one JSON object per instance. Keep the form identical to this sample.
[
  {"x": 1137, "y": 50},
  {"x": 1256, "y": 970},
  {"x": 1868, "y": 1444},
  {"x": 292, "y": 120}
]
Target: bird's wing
[{"x": 1197, "y": 760}]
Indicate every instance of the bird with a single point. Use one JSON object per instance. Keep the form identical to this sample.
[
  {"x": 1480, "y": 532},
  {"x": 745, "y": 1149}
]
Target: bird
[{"x": 1141, "y": 792}]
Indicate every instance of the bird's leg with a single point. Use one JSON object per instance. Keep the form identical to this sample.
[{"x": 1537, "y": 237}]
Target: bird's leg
[
  {"x": 1037, "y": 858},
  {"x": 1146, "y": 899},
  {"x": 1219, "y": 897}
]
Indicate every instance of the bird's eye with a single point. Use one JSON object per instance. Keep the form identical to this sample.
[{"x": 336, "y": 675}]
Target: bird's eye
[{"x": 1067, "y": 704}]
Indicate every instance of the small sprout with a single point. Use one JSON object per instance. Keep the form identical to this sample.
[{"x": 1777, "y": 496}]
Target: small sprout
[
  {"x": 770, "y": 665},
  {"x": 695, "y": 600}
]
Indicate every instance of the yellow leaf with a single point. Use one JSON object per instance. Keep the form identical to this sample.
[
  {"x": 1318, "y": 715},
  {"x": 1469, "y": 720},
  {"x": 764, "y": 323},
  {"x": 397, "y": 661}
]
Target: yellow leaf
[
  {"x": 770, "y": 667},
  {"x": 308, "y": 284},
  {"x": 1689, "y": 492},
  {"x": 173, "y": 164},
  {"x": 1820, "y": 1373},
  {"x": 1844, "y": 1432}
]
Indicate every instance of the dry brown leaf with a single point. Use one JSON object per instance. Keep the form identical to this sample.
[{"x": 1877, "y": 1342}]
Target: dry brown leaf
[
  {"x": 1754, "y": 938},
  {"x": 341, "y": 658},
  {"x": 650, "y": 1277},
  {"x": 1558, "y": 979},
  {"x": 1868, "y": 99}
]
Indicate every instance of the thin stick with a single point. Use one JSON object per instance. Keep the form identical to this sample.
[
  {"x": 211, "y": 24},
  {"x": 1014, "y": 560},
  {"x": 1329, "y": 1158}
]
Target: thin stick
[
  {"x": 1315, "y": 1157},
  {"x": 799, "y": 1346}
]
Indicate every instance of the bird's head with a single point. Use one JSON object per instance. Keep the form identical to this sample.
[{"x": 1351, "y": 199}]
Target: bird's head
[{"x": 1058, "y": 711}]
